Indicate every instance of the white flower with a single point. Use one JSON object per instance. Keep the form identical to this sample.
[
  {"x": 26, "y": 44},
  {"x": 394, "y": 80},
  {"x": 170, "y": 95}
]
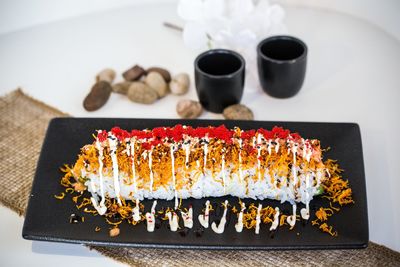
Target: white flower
[{"x": 234, "y": 24}]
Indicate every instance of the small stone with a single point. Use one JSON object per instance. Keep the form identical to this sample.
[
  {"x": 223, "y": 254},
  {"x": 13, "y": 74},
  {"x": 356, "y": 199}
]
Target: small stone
[
  {"x": 98, "y": 96},
  {"x": 114, "y": 232},
  {"x": 180, "y": 84},
  {"x": 121, "y": 88},
  {"x": 189, "y": 109},
  {"x": 107, "y": 75},
  {"x": 134, "y": 73},
  {"x": 157, "y": 82},
  {"x": 238, "y": 112},
  {"x": 164, "y": 73},
  {"x": 141, "y": 93}
]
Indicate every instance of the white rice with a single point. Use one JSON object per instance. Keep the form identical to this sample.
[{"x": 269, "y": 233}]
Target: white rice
[{"x": 209, "y": 186}]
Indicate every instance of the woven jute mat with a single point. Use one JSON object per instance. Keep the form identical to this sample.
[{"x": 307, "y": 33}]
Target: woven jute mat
[{"x": 23, "y": 123}]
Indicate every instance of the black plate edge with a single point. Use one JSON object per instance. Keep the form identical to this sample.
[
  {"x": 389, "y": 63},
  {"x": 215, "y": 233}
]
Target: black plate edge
[
  {"x": 365, "y": 199},
  {"x": 163, "y": 246},
  {"x": 355, "y": 124}
]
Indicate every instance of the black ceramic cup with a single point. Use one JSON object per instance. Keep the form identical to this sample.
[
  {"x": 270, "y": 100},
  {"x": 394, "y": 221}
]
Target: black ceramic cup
[
  {"x": 282, "y": 62},
  {"x": 219, "y": 77}
]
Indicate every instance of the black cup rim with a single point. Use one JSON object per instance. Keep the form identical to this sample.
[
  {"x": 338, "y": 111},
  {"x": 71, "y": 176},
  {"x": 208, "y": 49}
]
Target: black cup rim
[
  {"x": 220, "y": 51},
  {"x": 282, "y": 37}
]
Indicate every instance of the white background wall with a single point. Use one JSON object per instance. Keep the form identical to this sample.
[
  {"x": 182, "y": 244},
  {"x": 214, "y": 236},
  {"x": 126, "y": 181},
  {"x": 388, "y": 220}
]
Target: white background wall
[{"x": 21, "y": 14}]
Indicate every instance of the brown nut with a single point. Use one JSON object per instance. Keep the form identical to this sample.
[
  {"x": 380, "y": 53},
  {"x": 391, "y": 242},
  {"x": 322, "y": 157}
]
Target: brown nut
[
  {"x": 134, "y": 73},
  {"x": 98, "y": 96},
  {"x": 189, "y": 109},
  {"x": 107, "y": 75},
  {"x": 121, "y": 88},
  {"x": 141, "y": 93},
  {"x": 238, "y": 112},
  {"x": 164, "y": 73},
  {"x": 114, "y": 232},
  {"x": 157, "y": 82}
]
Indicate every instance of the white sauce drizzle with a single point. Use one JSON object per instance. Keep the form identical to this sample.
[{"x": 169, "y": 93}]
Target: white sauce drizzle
[
  {"x": 205, "y": 148},
  {"x": 221, "y": 227},
  {"x": 259, "y": 136},
  {"x": 304, "y": 147},
  {"x": 188, "y": 218},
  {"x": 269, "y": 147},
  {"x": 102, "y": 209},
  {"x": 294, "y": 171},
  {"x": 291, "y": 220},
  {"x": 239, "y": 224},
  {"x": 277, "y": 145},
  {"x": 223, "y": 170},
  {"x": 258, "y": 219},
  {"x": 127, "y": 149},
  {"x": 275, "y": 223},
  {"x": 187, "y": 153},
  {"x": 83, "y": 175},
  {"x": 136, "y": 212},
  {"x": 329, "y": 174},
  {"x": 133, "y": 165},
  {"x": 113, "y": 142},
  {"x": 144, "y": 154},
  {"x": 173, "y": 221},
  {"x": 151, "y": 169},
  {"x": 240, "y": 160},
  {"x": 150, "y": 217},
  {"x": 203, "y": 219},
  {"x": 305, "y": 212},
  {"x": 172, "y": 149},
  {"x": 308, "y": 150}
]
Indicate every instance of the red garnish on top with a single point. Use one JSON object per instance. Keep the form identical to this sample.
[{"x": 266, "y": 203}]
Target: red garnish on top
[
  {"x": 279, "y": 132},
  {"x": 221, "y": 132},
  {"x": 295, "y": 136},
  {"x": 119, "y": 133},
  {"x": 146, "y": 146},
  {"x": 199, "y": 132},
  {"x": 178, "y": 133},
  {"x": 267, "y": 134},
  {"x": 141, "y": 134},
  {"x": 246, "y": 135},
  {"x": 102, "y": 135}
]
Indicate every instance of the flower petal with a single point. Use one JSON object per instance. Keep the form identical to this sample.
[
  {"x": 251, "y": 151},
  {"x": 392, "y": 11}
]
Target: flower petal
[
  {"x": 276, "y": 14},
  {"x": 239, "y": 9},
  {"x": 190, "y": 10},
  {"x": 213, "y": 9}
]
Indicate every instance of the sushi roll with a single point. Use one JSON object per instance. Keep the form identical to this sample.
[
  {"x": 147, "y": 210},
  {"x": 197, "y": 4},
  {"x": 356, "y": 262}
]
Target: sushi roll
[{"x": 183, "y": 162}]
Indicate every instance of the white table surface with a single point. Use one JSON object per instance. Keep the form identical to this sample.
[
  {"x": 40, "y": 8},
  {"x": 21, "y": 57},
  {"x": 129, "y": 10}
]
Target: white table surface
[{"x": 353, "y": 76}]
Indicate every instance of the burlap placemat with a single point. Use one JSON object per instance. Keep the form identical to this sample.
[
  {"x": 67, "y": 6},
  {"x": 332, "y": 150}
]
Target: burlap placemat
[{"x": 23, "y": 123}]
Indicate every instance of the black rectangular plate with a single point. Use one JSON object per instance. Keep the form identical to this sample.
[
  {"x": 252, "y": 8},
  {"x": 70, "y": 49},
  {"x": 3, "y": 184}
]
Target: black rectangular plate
[{"x": 47, "y": 218}]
